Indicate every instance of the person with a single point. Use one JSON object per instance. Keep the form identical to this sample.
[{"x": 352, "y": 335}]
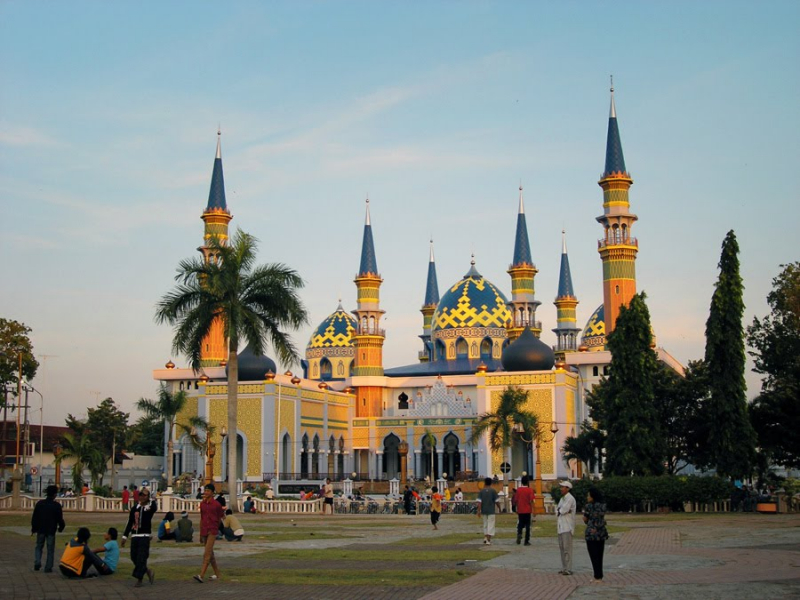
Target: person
[
  {"x": 185, "y": 531},
  {"x": 459, "y": 495},
  {"x": 328, "y": 496},
  {"x": 231, "y": 527},
  {"x": 126, "y": 498},
  {"x": 514, "y": 500},
  {"x": 139, "y": 528},
  {"x": 211, "y": 515},
  {"x": 165, "y": 529},
  {"x": 565, "y": 524},
  {"x": 487, "y": 509},
  {"x": 111, "y": 550},
  {"x": 84, "y": 490},
  {"x": 47, "y": 517},
  {"x": 446, "y": 494},
  {"x": 594, "y": 515},
  {"x": 436, "y": 506},
  {"x": 78, "y": 558},
  {"x": 270, "y": 494},
  {"x": 524, "y": 498},
  {"x": 249, "y": 506},
  {"x": 135, "y": 495},
  {"x": 199, "y": 495},
  {"x": 408, "y": 497}
]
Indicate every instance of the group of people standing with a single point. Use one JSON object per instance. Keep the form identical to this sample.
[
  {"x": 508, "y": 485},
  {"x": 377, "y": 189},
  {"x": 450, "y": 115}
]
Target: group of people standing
[{"x": 596, "y": 533}]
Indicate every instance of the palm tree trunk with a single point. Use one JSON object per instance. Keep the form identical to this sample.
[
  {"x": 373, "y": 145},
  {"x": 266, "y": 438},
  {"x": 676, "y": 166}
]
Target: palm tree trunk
[
  {"x": 505, "y": 479},
  {"x": 170, "y": 452},
  {"x": 233, "y": 408}
]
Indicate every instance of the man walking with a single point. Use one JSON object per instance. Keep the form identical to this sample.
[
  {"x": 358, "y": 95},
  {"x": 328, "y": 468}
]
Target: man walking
[
  {"x": 126, "y": 499},
  {"x": 328, "y": 490},
  {"x": 566, "y": 525},
  {"x": 211, "y": 514},
  {"x": 487, "y": 509},
  {"x": 47, "y": 517},
  {"x": 524, "y": 498},
  {"x": 139, "y": 528}
]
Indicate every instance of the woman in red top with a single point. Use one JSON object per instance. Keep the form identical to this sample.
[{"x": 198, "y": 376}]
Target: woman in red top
[{"x": 211, "y": 514}]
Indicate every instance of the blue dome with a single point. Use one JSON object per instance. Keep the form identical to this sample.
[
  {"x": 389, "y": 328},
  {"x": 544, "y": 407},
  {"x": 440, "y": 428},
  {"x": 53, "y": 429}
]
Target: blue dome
[
  {"x": 252, "y": 367},
  {"x": 335, "y": 331},
  {"x": 528, "y": 353},
  {"x": 472, "y": 302},
  {"x": 594, "y": 334}
]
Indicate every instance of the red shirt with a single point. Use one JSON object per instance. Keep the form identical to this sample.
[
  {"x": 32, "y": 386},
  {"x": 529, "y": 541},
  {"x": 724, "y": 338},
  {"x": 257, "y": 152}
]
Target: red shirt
[
  {"x": 211, "y": 513},
  {"x": 126, "y": 496},
  {"x": 525, "y": 498}
]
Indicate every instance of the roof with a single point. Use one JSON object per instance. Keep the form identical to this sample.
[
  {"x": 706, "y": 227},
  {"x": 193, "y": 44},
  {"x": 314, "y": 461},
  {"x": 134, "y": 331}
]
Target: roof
[
  {"x": 369, "y": 263},
  {"x": 216, "y": 195}
]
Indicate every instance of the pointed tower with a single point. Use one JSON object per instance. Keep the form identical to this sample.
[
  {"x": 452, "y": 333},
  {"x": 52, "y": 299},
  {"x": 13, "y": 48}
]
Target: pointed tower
[
  {"x": 216, "y": 217},
  {"x": 369, "y": 337},
  {"x": 567, "y": 329},
  {"x": 427, "y": 310},
  {"x": 618, "y": 249},
  {"x": 523, "y": 302}
]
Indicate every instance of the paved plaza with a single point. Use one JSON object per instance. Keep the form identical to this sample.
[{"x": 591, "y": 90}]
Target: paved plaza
[{"x": 353, "y": 557}]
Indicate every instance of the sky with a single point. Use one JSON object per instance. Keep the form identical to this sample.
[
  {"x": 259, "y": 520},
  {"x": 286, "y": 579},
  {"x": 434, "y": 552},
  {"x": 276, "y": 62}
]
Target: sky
[{"x": 436, "y": 111}]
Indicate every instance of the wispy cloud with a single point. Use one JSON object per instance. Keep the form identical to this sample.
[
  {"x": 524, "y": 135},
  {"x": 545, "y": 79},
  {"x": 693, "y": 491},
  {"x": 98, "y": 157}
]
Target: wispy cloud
[{"x": 21, "y": 136}]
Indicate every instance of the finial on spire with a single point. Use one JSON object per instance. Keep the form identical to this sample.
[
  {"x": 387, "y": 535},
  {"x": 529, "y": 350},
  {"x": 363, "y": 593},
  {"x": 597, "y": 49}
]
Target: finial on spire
[
  {"x": 612, "y": 114},
  {"x": 432, "y": 260},
  {"x": 472, "y": 259},
  {"x": 521, "y": 204},
  {"x": 219, "y": 138},
  {"x": 367, "y": 222},
  {"x": 563, "y": 241}
]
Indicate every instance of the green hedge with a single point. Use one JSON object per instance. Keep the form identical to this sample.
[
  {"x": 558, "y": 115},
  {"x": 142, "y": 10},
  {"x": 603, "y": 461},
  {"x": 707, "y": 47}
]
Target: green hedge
[{"x": 624, "y": 494}]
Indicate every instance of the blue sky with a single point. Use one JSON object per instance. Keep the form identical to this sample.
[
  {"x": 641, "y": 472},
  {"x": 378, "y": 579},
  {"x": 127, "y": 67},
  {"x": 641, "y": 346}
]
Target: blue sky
[{"x": 108, "y": 118}]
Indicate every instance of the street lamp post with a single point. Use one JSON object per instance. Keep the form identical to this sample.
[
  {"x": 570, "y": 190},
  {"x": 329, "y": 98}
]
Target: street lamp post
[
  {"x": 402, "y": 450},
  {"x": 223, "y": 434},
  {"x": 56, "y": 456},
  {"x": 538, "y": 435}
]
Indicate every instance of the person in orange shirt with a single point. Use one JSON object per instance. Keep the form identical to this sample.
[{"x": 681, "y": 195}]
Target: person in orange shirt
[{"x": 436, "y": 506}]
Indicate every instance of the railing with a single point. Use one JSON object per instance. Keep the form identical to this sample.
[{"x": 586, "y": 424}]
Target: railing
[
  {"x": 622, "y": 241},
  {"x": 304, "y": 507},
  {"x": 191, "y": 505},
  {"x": 102, "y": 504}
]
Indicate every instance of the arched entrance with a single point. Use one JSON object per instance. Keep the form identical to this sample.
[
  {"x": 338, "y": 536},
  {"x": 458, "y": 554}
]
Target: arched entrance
[
  {"x": 428, "y": 457},
  {"x": 452, "y": 457},
  {"x": 391, "y": 456},
  {"x": 286, "y": 456},
  {"x": 239, "y": 457}
]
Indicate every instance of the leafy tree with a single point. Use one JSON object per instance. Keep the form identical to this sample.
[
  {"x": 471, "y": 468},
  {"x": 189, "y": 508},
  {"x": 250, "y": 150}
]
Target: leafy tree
[
  {"x": 146, "y": 437},
  {"x": 586, "y": 447},
  {"x": 14, "y": 341},
  {"x": 166, "y": 410},
  {"x": 775, "y": 340},
  {"x": 634, "y": 437},
  {"x": 500, "y": 424},
  {"x": 108, "y": 426},
  {"x": 252, "y": 302},
  {"x": 79, "y": 447},
  {"x": 728, "y": 437}
]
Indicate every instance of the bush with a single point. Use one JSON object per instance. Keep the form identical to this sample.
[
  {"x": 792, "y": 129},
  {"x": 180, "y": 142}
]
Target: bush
[
  {"x": 103, "y": 490},
  {"x": 624, "y": 494}
]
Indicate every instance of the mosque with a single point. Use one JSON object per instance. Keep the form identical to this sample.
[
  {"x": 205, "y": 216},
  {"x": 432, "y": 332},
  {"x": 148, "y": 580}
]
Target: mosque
[{"x": 348, "y": 414}]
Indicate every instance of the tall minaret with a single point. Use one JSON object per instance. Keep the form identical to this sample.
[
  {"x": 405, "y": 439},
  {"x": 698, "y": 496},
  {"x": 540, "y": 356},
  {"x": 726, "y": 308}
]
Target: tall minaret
[
  {"x": 567, "y": 329},
  {"x": 617, "y": 249},
  {"x": 523, "y": 303},
  {"x": 369, "y": 336},
  {"x": 428, "y": 308},
  {"x": 216, "y": 217}
]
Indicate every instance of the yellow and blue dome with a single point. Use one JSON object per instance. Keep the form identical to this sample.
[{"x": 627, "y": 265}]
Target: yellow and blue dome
[
  {"x": 330, "y": 351},
  {"x": 335, "y": 331},
  {"x": 594, "y": 334}
]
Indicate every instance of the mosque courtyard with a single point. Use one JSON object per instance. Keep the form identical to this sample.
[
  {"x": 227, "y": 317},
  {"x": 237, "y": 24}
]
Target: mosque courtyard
[{"x": 687, "y": 556}]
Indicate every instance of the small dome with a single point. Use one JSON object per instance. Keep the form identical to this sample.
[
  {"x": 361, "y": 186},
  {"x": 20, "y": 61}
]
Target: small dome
[
  {"x": 472, "y": 302},
  {"x": 335, "y": 331},
  {"x": 594, "y": 334},
  {"x": 252, "y": 367},
  {"x": 528, "y": 353}
]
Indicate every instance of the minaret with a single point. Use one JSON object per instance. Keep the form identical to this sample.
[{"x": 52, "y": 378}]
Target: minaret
[
  {"x": 523, "y": 303},
  {"x": 617, "y": 249},
  {"x": 216, "y": 217},
  {"x": 369, "y": 337},
  {"x": 567, "y": 329},
  {"x": 428, "y": 308}
]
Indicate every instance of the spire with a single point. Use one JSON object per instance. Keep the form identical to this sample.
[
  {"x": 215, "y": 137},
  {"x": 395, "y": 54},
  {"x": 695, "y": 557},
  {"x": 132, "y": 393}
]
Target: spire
[
  {"x": 565, "y": 278},
  {"x": 369, "y": 263},
  {"x": 216, "y": 195},
  {"x": 522, "y": 247},
  {"x": 615, "y": 161},
  {"x": 432, "y": 288}
]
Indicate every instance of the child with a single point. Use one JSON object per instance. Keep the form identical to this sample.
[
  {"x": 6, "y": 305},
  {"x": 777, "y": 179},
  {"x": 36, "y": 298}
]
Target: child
[
  {"x": 436, "y": 506},
  {"x": 165, "y": 531},
  {"x": 111, "y": 549},
  {"x": 78, "y": 557}
]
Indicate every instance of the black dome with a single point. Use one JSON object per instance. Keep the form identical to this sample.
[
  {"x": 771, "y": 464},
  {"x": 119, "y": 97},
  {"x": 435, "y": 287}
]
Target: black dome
[
  {"x": 528, "y": 353},
  {"x": 252, "y": 367}
]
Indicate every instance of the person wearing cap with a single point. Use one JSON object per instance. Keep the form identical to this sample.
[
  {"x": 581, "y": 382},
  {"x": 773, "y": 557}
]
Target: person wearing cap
[
  {"x": 565, "y": 512},
  {"x": 185, "y": 530}
]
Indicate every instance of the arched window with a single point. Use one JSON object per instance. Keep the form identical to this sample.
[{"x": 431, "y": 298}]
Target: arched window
[
  {"x": 595, "y": 371},
  {"x": 326, "y": 369},
  {"x": 340, "y": 369},
  {"x": 486, "y": 348},
  {"x": 461, "y": 348}
]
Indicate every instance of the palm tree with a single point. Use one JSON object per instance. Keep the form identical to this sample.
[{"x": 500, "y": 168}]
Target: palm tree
[
  {"x": 252, "y": 302},
  {"x": 166, "y": 409},
  {"x": 79, "y": 447},
  {"x": 500, "y": 425}
]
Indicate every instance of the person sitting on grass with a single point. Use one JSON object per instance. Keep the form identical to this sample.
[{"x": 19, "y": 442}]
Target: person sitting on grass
[
  {"x": 111, "y": 549},
  {"x": 185, "y": 531},
  {"x": 231, "y": 527},
  {"x": 165, "y": 530},
  {"x": 249, "y": 506},
  {"x": 78, "y": 558}
]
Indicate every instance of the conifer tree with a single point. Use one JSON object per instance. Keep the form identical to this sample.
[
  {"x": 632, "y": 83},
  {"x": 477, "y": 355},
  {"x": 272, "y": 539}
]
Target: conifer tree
[
  {"x": 634, "y": 442},
  {"x": 728, "y": 437}
]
